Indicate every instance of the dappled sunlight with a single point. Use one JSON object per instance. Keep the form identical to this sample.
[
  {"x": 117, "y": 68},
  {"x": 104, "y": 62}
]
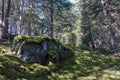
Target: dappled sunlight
[
  {"x": 62, "y": 76},
  {"x": 83, "y": 65},
  {"x": 90, "y": 66},
  {"x": 12, "y": 67},
  {"x": 86, "y": 52},
  {"x": 112, "y": 73},
  {"x": 59, "y": 40}
]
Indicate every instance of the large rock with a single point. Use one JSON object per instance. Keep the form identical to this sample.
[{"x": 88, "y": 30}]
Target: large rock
[{"x": 40, "y": 49}]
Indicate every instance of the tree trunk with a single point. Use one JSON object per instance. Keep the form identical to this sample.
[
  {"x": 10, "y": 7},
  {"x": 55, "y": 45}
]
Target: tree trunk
[
  {"x": 51, "y": 18},
  {"x": 20, "y": 17},
  {"x": 29, "y": 29},
  {"x": 3, "y": 10},
  {"x": 5, "y": 29},
  {"x": 91, "y": 36},
  {"x": 2, "y": 20},
  {"x": 33, "y": 20}
]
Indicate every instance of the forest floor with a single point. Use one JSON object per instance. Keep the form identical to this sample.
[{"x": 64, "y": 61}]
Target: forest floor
[{"x": 84, "y": 65}]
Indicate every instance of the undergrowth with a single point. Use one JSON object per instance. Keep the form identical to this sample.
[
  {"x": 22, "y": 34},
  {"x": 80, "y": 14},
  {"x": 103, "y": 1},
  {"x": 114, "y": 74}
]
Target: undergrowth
[{"x": 83, "y": 65}]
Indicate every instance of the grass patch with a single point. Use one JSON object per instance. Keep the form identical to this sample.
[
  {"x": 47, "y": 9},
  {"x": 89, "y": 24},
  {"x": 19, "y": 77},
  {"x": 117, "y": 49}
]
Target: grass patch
[
  {"x": 83, "y": 65},
  {"x": 13, "y": 68}
]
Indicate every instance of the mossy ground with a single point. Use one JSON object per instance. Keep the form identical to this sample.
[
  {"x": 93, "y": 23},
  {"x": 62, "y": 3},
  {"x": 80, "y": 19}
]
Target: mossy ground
[{"x": 83, "y": 65}]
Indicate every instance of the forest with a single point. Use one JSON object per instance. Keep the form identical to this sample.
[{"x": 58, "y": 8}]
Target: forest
[{"x": 59, "y": 39}]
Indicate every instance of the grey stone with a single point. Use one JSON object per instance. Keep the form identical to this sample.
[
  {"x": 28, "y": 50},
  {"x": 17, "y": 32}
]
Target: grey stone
[{"x": 40, "y": 52}]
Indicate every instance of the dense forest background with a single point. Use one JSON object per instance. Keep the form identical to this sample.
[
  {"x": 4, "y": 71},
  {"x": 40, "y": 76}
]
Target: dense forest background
[{"x": 89, "y": 28}]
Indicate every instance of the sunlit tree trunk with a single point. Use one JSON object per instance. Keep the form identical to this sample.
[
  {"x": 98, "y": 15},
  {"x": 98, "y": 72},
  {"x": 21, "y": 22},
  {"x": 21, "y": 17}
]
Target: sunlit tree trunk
[
  {"x": 2, "y": 20},
  {"x": 33, "y": 20},
  {"x": 20, "y": 16}
]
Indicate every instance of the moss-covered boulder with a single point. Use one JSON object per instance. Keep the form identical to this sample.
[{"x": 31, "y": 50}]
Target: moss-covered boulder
[{"x": 41, "y": 49}]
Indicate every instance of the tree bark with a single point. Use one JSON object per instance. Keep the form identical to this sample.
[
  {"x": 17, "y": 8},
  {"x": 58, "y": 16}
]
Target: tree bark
[
  {"x": 51, "y": 18},
  {"x": 3, "y": 10},
  {"x": 29, "y": 29},
  {"x": 2, "y": 20},
  {"x": 20, "y": 17},
  {"x": 5, "y": 29}
]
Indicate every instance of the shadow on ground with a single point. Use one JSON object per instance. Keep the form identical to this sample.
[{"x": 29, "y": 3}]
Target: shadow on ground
[
  {"x": 88, "y": 66},
  {"x": 13, "y": 68},
  {"x": 84, "y": 65}
]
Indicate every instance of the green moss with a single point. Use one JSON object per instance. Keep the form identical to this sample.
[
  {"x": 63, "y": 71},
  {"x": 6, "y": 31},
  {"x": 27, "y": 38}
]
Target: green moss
[
  {"x": 32, "y": 39},
  {"x": 35, "y": 39},
  {"x": 64, "y": 52},
  {"x": 39, "y": 39},
  {"x": 84, "y": 65},
  {"x": 2, "y": 50},
  {"x": 12, "y": 68}
]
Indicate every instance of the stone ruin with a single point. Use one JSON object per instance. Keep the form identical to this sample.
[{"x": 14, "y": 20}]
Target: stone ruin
[{"x": 40, "y": 49}]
